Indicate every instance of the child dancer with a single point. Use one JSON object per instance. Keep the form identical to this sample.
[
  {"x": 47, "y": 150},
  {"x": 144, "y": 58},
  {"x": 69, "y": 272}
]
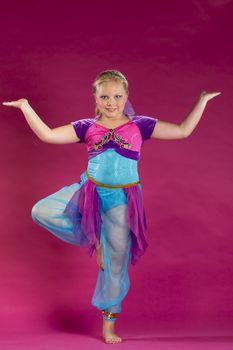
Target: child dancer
[{"x": 104, "y": 212}]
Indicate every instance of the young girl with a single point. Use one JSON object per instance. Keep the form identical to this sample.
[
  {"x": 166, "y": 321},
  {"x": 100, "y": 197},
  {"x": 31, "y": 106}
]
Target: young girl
[{"x": 104, "y": 212}]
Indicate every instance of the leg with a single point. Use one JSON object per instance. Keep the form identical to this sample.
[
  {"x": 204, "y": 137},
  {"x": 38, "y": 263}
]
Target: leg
[
  {"x": 113, "y": 282},
  {"x": 48, "y": 213}
]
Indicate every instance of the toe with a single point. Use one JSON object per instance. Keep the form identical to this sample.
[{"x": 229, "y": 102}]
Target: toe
[{"x": 109, "y": 340}]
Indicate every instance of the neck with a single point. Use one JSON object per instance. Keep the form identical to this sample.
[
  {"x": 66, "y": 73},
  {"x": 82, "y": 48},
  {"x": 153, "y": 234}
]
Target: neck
[{"x": 112, "y": 118}]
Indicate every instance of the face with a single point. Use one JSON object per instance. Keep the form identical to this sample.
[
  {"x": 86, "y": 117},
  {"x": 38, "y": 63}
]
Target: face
[{"x": 111, "y": 98}]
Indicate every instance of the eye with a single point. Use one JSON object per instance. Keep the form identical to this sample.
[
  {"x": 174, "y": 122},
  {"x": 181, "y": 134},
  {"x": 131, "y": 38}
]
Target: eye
[
  {"x": 103, "y": 97},
  {"x": 118, "y": 96}
]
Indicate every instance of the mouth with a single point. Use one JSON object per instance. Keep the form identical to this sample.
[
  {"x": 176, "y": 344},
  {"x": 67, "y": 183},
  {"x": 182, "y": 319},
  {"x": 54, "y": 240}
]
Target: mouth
[{"x": 111, "y": 109}]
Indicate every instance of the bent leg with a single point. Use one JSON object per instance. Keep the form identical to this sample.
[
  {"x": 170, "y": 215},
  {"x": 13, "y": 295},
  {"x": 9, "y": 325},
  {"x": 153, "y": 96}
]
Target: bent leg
[{"x": 48, "y": 213}]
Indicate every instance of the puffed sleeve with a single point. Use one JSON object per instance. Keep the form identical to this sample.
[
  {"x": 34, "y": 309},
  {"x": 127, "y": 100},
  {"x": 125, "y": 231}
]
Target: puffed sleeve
[
  {"x": 80, "y": 126},
  {"x": 146, "y": 125}
]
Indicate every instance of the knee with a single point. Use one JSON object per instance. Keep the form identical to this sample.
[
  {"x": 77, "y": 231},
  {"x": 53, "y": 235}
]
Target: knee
[
  {"x": 36, "y": 212},
  {"x": 117, "y": 264},
  {"x": 116, "y": 269}
]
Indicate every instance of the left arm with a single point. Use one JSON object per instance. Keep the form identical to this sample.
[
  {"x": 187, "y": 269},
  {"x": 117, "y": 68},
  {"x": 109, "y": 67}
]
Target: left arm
[{"x": 170, "y": 131}]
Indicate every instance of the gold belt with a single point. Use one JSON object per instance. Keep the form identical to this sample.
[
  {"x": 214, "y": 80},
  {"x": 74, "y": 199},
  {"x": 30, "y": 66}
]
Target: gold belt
[{"x": 109, "y": 186}]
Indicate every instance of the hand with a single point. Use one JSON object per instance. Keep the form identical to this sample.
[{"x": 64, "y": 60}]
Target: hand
[
  {"x": 99, "y": 255},
  {"x": 17, "y": 104},
  {"x": 207, "y": 95}
]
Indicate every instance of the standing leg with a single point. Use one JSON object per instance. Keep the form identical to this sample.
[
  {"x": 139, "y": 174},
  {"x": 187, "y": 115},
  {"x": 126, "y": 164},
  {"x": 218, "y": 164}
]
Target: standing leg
[{"x": 113, "y": 282}]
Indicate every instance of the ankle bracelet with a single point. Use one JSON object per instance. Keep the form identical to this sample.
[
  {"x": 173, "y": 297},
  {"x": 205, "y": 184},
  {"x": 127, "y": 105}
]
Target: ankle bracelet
[{"x": 109, "y": 315}]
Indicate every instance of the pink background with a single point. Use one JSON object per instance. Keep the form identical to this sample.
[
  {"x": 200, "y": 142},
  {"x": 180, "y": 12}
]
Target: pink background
[{"x": 169, "y": 51}]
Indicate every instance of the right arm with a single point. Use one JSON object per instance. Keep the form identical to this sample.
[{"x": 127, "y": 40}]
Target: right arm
[{"x": 61, "y": 135}]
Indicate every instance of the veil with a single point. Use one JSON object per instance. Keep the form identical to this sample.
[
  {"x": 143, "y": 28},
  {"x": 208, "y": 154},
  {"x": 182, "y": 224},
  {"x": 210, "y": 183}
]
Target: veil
[{"x": 128, "y": 109}]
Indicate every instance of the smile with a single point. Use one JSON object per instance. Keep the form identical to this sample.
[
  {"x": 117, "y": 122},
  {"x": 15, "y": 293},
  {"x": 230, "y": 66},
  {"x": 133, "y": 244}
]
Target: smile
[{"x": 111, "y": 109}]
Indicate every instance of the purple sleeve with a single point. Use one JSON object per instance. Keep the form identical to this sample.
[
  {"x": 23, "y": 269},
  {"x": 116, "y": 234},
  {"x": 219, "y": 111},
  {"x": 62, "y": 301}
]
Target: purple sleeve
[
  {"x": 80, "y": 127},
  {"x": 146, "y": 125}
]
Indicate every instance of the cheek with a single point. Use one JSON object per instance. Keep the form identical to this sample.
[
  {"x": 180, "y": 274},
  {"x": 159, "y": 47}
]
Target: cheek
[
  {"x": 121, "y": 103},
  {"x": 101, "y": 104}
]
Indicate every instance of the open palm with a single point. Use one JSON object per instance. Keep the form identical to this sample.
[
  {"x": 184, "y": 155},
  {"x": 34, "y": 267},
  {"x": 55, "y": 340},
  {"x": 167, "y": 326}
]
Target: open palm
[
  {"x": 16, "y": 104},
  {"x": 208, "y": 95}
]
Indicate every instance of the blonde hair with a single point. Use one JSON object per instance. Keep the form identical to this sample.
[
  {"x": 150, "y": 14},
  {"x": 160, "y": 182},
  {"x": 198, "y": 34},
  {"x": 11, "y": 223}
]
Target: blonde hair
[{"x": 108, "y": 75}]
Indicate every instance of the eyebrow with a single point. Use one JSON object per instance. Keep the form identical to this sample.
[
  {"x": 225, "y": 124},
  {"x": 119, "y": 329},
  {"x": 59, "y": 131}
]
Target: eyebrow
[{"x": 107, "y": 95}]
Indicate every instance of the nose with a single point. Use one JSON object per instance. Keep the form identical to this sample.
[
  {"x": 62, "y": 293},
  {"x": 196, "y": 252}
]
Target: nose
[{"x": 110, "y": 101}]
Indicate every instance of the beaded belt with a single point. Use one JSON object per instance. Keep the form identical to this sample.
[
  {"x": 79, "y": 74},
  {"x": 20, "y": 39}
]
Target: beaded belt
[{"x": 109, "y": 186}]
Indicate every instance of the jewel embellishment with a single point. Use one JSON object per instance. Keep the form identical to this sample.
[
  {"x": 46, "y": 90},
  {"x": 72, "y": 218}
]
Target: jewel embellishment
[{"x": 111, "y": 136}]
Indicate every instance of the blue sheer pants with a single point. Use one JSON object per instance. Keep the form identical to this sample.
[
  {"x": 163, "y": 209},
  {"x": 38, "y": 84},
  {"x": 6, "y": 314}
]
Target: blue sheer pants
[{"x": 113, "y": 282}]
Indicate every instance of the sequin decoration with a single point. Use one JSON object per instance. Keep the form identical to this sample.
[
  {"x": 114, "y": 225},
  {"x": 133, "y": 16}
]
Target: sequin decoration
[{"x": 111, "y": 135}]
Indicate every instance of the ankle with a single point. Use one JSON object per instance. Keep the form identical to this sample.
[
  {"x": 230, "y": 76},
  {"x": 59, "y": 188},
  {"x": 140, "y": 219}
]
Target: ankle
[
  {"x": 109, "y": 316},
  {"x": 108, "y": 324}
]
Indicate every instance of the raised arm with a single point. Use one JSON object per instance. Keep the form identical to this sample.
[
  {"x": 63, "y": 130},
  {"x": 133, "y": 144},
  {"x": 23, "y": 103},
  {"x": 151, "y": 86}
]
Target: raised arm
[
  {"x": 171, "y": 131},
  {"x": 61, "y": 135}
]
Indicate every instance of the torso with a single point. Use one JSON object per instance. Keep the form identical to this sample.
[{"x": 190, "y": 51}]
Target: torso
[{"x": 109, "y": 147}]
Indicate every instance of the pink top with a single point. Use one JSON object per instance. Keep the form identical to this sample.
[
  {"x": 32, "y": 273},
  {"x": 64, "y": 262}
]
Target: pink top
[{"x": 126, "y": 139}]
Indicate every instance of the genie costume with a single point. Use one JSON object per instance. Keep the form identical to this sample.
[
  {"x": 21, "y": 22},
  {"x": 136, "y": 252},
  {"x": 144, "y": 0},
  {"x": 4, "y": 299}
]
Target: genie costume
[{"x": 106, "y": 205}]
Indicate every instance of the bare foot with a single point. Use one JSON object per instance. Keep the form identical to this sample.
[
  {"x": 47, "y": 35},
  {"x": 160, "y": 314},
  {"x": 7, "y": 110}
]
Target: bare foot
[{"x": 108, "y": 333}]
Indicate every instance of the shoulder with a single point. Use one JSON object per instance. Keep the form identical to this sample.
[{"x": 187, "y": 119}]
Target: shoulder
[
  {"x": 146, "y": 124},
  {"x": 143, "y": 119},
  {"x": 84, "y": 121},
  {"x": 81, "y": 125}
]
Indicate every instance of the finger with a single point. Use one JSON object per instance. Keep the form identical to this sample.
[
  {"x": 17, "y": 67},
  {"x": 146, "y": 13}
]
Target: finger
[
  {"x": 8, "y": 103},
  {"x": 214, "y": 94}
]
